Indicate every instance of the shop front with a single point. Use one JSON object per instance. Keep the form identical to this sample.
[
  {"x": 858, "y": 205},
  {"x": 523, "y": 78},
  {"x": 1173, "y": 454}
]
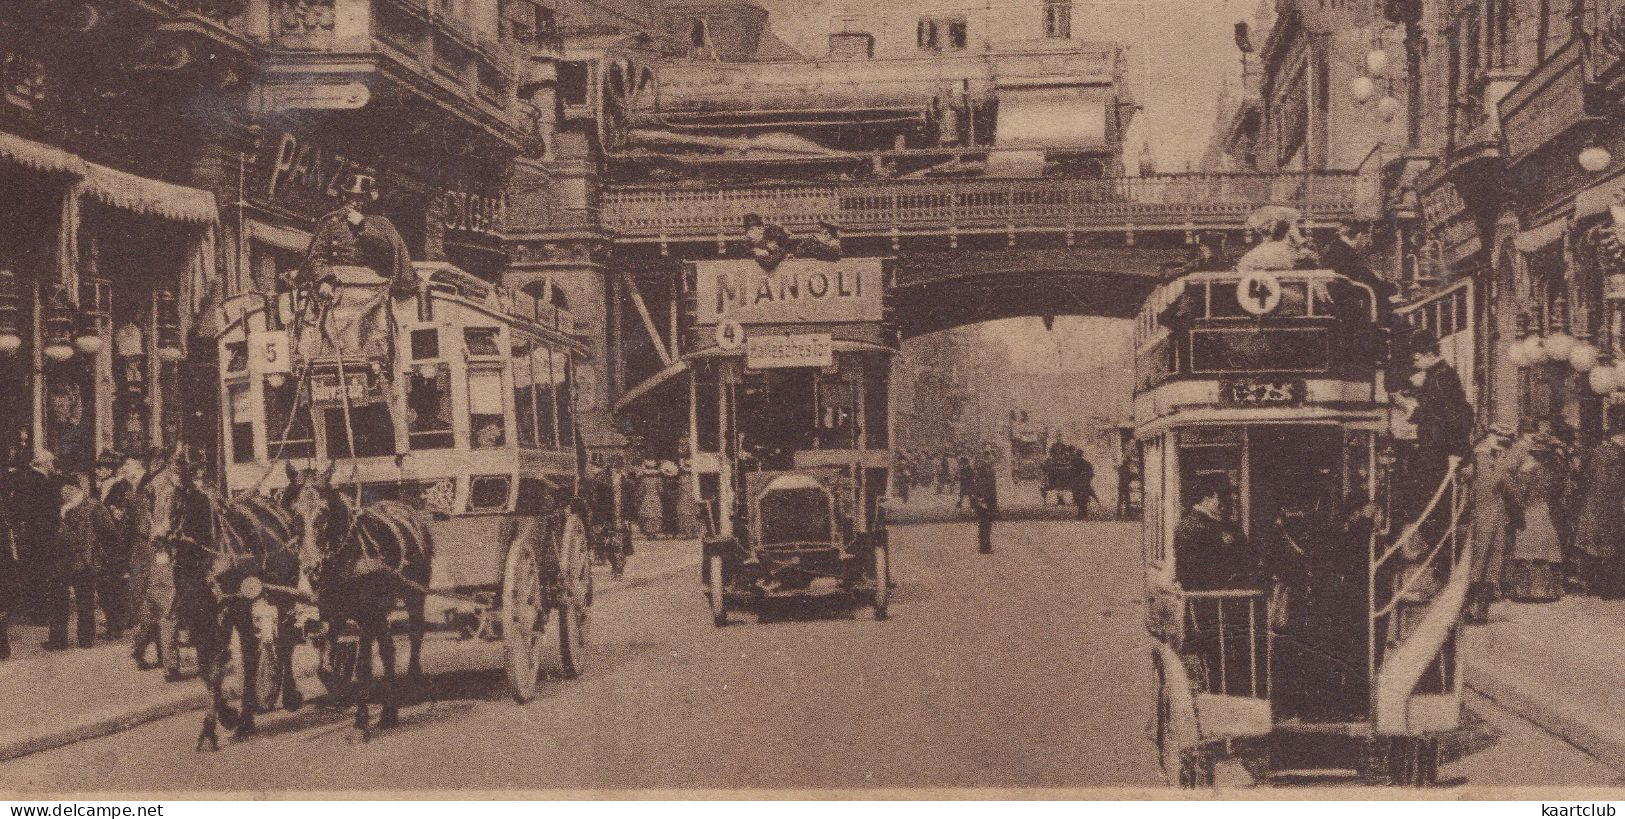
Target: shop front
[{"x": 100, "y": 274}]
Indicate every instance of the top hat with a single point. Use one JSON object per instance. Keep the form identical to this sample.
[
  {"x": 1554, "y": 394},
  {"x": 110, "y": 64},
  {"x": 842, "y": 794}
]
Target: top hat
[
  {"x": 753, "y": 220},
  {"x": 360, "y": 186}
]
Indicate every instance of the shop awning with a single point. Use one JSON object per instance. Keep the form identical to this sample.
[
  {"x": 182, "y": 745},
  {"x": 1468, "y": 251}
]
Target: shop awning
[
  {"x": 134, "y": 193},
  {"x": 150, "y": 197}
]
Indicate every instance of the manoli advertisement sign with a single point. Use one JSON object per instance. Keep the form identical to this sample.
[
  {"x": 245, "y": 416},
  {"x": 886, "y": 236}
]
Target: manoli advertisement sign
[{"x": 798, "y": 291}]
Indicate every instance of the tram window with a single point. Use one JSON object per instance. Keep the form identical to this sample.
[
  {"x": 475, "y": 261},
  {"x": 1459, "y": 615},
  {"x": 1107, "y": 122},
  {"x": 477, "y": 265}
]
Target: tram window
[
  {"x": 1222, "y": 302},
  {"x": 237, "y": 357},
  {"x": 428, "y": 407},
  {"x": 425, "y": 344},
  {"x": 481, "y": 341},
  {"x": 371, "y": 427},
  {"x": 242, "y": 424},
  {"x": 836, "y": 416},
  {"x": 563, "y": 389},
  {"x": 705, "y": 411},
  {"x": 875, "y": 407},
  {"x": 775, "y": 414},
  {"x": 524, "y": 395},
  {"x": 287, "y": 422},
  {"x": 546, "y": 434},
  {"x": 488, "y": 493},
  {"x": 486, "y": 429}
]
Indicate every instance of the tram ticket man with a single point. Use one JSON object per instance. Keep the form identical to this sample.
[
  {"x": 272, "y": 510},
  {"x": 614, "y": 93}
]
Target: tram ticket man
[
  {"x": 1211, "y": 553},
  {"x": 350, "y": 236}
]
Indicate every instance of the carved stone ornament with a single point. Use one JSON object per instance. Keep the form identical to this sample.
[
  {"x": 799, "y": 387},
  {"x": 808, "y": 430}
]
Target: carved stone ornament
[{"x": 302, "y": 17}]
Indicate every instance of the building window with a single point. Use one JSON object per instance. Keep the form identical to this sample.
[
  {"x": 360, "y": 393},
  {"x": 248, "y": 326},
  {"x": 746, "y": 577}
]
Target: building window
[
  {"x": 943, "y": 33},
  {"x": 1058, "y": 18},
  {"x": 699, "y": 36}
]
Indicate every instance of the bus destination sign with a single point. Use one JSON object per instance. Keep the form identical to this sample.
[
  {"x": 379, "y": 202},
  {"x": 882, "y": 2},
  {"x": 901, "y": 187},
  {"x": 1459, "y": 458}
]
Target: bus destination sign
[{"x": 1257, "y": 392}]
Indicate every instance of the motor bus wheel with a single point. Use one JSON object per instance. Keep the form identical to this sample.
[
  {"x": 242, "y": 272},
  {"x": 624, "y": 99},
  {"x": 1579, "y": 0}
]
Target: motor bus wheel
[
  {"x": 882, "y": 569},
  {"x": 719, "y": 604},
  {"x": 524, "y": 613}
]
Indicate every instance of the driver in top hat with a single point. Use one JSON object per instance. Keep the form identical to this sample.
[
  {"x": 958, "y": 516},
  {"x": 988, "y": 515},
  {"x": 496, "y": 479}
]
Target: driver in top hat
[{"x": 350, "y": 236}]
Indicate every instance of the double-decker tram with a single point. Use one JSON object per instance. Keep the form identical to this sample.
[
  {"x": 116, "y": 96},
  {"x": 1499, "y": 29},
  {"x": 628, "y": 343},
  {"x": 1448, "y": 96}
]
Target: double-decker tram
[{"x": 1303, "y": 592}]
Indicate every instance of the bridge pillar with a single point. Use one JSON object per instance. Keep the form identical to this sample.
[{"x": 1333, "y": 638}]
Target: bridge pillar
[{"x": 556, "y": 247}]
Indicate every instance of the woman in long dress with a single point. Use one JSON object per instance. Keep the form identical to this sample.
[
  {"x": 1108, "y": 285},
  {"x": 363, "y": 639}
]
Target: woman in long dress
[{"x": 1531, "y": 489}]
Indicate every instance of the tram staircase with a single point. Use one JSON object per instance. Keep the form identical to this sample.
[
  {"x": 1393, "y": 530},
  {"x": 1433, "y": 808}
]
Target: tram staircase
[{"x": 1419, "y": 583}]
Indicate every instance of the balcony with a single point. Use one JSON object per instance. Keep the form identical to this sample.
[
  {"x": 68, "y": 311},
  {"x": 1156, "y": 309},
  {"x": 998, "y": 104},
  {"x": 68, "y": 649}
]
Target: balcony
[{"x": 1163, "y": 201}]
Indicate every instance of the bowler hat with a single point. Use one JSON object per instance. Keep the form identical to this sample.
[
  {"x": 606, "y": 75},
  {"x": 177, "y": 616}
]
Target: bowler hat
[
  {"x": 361, "y": 186},
  {"x": 753, "y": 220}
]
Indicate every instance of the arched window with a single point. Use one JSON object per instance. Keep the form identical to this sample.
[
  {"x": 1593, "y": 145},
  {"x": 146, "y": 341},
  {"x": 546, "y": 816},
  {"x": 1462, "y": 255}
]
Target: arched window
[{"x": 699, "y": 36}]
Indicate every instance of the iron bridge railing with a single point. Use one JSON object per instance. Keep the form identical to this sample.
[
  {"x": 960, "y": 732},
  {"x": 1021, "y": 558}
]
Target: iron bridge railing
[{"x": 1161, "y": 201}]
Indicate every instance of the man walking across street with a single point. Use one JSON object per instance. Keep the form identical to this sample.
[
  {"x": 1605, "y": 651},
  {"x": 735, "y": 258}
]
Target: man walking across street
[
  {"x": 984, "y": 501},
  {"x": 1083, "y": 483}
]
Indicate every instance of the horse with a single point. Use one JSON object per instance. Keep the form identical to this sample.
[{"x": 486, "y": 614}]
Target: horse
[
  {"x": 360, "y": 562},
  {"x": 226, "y": 555}
]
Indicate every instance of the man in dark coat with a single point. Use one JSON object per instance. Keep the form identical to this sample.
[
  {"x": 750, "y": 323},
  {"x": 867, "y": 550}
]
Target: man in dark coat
[
  {"x": 86, "y": 531},
  {"x": 113, "y": 568},
  {"x": 1599, "y": 523},
  {"x": 1346, "y": 257},
  {"x": 1443, "y": 418},
  {"x": 1083, "y": 483},
  {"x": 966, "y": 479},
  {"x": 34, "y": 502},
  {"x": 767, "y": 244},
  {"x": 984, "y": 501},
  {"x": 1209, "y": 552},
  {"x": 348, "y": 236},
  {"x": 825, "y": 246}
]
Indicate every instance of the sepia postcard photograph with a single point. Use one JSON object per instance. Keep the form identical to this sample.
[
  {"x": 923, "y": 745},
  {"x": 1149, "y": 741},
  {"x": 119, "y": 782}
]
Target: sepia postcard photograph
[{"x": 814, "y": 399}]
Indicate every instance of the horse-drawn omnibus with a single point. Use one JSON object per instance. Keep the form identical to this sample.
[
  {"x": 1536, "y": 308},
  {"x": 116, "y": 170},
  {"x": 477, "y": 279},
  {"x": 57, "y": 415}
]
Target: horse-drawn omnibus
[
  {"x": 791, "y": 428},
  {"x": 456, "y": 403},
  {"x": 1303, "y": 594},
  {"x": 1029, "y": 441}
]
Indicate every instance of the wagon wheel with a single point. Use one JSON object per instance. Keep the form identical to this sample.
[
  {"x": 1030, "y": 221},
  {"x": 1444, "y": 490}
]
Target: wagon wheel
[
  {"x": 714, "y": 584},
  {"x": 575, "y": 587},
  {"x": 524, "y": 613},
  {"x": 882, "y": 570}
]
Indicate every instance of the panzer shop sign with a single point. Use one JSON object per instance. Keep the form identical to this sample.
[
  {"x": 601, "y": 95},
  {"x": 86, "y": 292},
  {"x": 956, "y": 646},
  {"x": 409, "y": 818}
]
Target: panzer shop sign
[
  {"x": 798, "y": 291},
  {"x": 775, "y": 352}
]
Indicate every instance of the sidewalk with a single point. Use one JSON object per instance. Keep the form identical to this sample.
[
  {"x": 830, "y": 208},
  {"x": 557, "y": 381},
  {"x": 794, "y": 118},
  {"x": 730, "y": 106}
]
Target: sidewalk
[
  {"x": 1557, "y": 665},
  {"x": 54, "y": 698}
]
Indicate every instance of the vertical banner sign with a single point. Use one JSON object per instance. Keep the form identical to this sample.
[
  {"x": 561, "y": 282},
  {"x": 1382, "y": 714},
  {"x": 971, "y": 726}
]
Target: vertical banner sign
[{"x": 798, "y": 291}]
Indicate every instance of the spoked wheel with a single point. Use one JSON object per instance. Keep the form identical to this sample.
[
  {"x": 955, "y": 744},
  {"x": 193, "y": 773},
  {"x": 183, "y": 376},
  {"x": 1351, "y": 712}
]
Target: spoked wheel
[
  {"x": 719, "y": 603},
  {"x": 524, "y": 613},
  {"x": 575, "y": 573},
  {"x": 882, "y": 570}
]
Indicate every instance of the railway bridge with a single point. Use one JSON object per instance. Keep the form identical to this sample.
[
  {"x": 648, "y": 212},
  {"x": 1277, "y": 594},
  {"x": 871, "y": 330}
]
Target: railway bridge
[{"x": 965, "y": 250}]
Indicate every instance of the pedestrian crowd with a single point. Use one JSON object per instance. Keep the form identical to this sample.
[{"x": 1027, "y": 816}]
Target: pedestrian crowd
[{"x": 77, "y": 548}]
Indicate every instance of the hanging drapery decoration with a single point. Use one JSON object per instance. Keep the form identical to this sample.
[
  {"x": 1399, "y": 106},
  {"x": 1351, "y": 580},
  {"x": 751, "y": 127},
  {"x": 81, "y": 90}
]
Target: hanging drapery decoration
[
  {"x": 58, "y": 327},
  {"x": 169, "y": 327},
  {"x": 11, "y": 339}
]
